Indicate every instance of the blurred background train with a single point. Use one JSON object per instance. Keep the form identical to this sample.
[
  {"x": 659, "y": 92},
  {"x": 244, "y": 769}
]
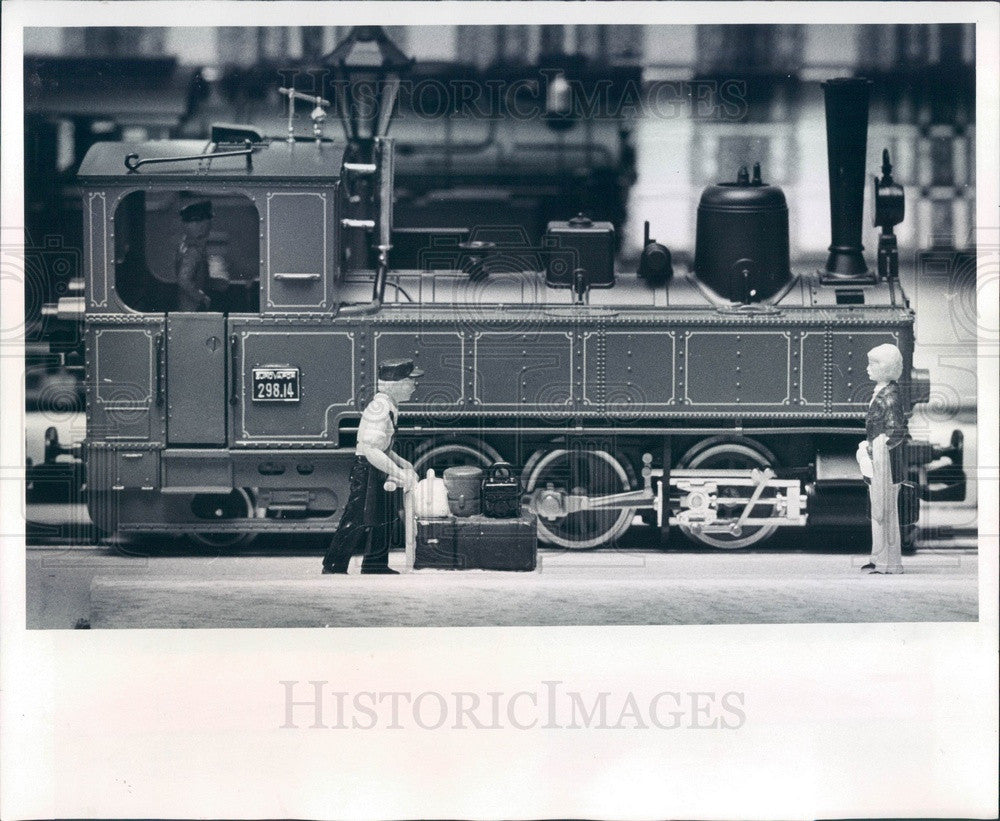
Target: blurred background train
[{"x": 501, "y": 135}]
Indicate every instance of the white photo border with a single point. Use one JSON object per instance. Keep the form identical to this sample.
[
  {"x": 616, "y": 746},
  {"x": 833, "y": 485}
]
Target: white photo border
[{"x": 840, "y": 720}]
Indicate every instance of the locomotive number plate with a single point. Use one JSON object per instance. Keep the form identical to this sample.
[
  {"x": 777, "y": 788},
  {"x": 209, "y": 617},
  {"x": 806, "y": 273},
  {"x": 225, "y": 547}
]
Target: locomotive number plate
[{"x": 275, "y": 384}]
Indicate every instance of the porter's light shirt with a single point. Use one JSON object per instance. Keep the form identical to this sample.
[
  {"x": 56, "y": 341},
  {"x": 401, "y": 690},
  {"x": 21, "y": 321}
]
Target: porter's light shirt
[{"x": 378, "y": 424}]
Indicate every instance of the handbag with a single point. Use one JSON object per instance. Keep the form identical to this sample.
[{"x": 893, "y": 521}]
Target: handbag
[{"x": 501, "y": 492}]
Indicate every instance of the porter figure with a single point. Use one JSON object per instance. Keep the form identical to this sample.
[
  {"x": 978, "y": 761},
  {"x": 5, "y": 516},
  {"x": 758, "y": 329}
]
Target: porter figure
[{"x": 371, "y": 511}]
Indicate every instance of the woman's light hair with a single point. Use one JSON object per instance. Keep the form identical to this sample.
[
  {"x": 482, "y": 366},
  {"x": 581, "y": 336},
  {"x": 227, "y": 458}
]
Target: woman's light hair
[{"x": 890, "y": 359}]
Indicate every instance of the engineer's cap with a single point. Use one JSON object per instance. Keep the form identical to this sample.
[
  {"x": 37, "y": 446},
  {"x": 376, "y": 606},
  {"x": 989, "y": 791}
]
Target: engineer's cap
[{"x": 197, "y": 211}]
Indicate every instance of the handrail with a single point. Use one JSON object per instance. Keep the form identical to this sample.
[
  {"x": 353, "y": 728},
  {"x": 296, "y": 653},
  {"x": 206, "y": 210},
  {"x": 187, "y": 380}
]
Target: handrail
[
  {"x": 297, "y": 277},
  {"x": 234, "y": 370},
  {"x": 159, "y": 369},
  {"x": 133, "y": 163}
]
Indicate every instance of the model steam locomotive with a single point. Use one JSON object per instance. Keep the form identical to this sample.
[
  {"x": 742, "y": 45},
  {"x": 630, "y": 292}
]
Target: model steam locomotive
[{"x": 727, "y": 400}]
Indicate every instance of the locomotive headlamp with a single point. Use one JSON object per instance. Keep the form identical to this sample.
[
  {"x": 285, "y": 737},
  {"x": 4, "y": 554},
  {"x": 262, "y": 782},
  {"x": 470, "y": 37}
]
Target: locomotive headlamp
[
  {"x": 367, "y": 67},
  {"x": 888, "y": 209},
  {"x": 888, "y": 204}
]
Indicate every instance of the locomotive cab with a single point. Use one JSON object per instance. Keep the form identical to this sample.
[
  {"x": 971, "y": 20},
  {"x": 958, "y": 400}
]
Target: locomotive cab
[
  {"x": 191, "y": 249},
  {"x": 272, "y": 241}
]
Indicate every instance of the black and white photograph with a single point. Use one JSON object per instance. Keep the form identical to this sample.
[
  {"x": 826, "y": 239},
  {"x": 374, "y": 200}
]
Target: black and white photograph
[
  {"x": 641, "y": 357},
  {"x": 634, "y": 294}
]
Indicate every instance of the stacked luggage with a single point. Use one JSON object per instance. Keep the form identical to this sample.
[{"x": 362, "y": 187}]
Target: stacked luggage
[{"x": 484, "y": 529}]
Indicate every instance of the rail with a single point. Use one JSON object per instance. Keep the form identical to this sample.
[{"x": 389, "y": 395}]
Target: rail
[{"x": 133, "y": 163}]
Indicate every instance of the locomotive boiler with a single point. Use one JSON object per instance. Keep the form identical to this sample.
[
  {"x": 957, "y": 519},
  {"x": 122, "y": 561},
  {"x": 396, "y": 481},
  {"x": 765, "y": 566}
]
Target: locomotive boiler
[{"x": 726, "y": 400}]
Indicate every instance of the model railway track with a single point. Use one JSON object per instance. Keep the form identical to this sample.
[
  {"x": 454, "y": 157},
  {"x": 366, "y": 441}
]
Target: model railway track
[{"x": 68, "y": 527}]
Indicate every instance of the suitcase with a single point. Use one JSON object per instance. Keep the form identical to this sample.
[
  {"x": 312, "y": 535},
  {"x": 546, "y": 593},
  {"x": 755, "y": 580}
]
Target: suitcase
[
  {"x": 501, "y": 492},
  {"x": 477, "y": 543}
]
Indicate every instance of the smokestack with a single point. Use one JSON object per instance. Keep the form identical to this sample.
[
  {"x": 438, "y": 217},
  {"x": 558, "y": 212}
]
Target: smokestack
[{"x": 846, "y": 146}]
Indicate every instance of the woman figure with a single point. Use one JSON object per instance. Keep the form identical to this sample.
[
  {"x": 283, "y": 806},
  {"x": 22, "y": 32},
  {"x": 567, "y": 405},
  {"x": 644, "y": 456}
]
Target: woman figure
[{"x": 882, "y": 458}]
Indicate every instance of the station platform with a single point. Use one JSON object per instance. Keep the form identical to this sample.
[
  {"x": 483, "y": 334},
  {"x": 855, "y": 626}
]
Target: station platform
[{"x": 567, "y": 589}]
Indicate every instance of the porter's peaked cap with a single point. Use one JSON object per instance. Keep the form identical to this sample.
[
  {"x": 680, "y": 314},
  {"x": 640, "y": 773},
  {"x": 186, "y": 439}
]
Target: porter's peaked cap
[{"x": 393, "y": 370}]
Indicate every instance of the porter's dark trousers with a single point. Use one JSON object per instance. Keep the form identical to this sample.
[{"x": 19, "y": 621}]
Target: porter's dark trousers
[{"x": 367, "y": 523}]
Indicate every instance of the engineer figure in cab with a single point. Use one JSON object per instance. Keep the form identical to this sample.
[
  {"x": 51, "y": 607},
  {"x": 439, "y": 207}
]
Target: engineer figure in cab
[
  {"x": 191, "y": 265},
  {"x": 371, "y": 512}
]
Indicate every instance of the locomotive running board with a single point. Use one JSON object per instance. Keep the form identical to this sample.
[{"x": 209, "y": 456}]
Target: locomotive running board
[{"x": 248, "y": 525}]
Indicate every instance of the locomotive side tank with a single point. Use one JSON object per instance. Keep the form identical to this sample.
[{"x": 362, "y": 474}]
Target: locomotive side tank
[{"x": 727, "y": 402}]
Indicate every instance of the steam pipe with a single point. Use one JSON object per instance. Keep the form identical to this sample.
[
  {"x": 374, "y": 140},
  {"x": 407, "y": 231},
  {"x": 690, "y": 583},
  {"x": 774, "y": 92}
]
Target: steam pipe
[
  {"x": 387, "y": 177},
  {"x": 364, "y": 308},
  {"x": 846, "y": 148}
]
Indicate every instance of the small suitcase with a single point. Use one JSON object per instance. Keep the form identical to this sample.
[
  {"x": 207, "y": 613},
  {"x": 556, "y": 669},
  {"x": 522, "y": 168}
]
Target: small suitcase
[
  {"x": 477, "y": 543},
  {"x": 501, "y": 493}
]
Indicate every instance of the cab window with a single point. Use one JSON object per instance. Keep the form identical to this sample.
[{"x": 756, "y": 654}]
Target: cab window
[{"x": 187, "y": 251}]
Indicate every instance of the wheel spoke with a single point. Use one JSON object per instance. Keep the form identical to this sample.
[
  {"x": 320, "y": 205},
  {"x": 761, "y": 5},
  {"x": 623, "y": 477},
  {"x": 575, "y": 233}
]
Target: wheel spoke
[{"x": 593, "y": 473}]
